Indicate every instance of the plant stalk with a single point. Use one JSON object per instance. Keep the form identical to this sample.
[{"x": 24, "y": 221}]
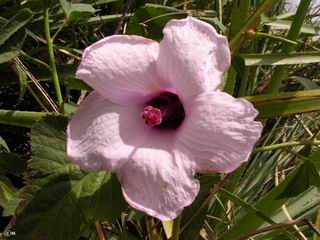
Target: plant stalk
[
  {"x": 286, "y": 144},
  {"x": 252, "y": 22},
  {"x": 53, "y": 68}
]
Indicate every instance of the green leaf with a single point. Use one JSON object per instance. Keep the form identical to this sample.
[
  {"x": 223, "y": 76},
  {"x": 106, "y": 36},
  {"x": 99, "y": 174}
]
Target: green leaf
[
  {"x": 281, "y": 58},
  {"x": 100, "y": 2},
  {"x": 66, "y": 76},
  {"x": 100, "y": 19},
  {"x": 267, "y": 204},
  {"x": 14, "y": 24},
  {"x": 20, "y": 118},
  {"x": 286, "y": 25},
  {"x": 307, "y": 83},
  {"x": 306, "y": 176},
  {"x": 245, "y": 205},
  {"x": 215, "y": 22},
  {"x": 231, "y": 81},
  {"x": 315, "y": 159},
  {"x": 8, "y": 198},
  {"x": 23, "y": 80},
  {"x": 11, "y": 48},
  {"x": 302, "y": 205},
  {"x": 60, "y": 194},
  {"x": 75, "y": 11},
  {"x": 74, "y": 83},
  {"x": 283, "y": 104},
  {"x": 3, "y": 145},
  {"x": 242, "y": 71},
  {"x": 12, "y": 163},
  {"x": 239, "y": 15},
  {"x": 8, "y": 55},
  {"x": 149, "y": 20}
]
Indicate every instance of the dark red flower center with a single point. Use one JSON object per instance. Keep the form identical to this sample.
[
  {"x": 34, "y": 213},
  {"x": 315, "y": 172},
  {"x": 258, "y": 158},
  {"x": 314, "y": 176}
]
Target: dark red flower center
[{"x": 165, "y": 111}]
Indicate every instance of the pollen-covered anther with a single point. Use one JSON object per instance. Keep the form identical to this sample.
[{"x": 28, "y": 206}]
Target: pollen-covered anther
[{"x": 151, "y": 116}]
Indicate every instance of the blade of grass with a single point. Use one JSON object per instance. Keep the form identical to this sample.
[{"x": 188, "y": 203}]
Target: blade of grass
[
  {"x": 281, "y": 58},
  {"x": 293, "y": 34},
  {"x": 283, "y": 104},
  {"x": 239, "y": 15}
]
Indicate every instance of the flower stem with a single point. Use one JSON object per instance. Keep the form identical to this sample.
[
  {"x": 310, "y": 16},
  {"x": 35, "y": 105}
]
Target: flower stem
[
  {"x": 286, "y": 144},
  {"x": 252, "y": 22},
  {"x": 53, "y": 68},
  {"x": 176, "y": 228}
]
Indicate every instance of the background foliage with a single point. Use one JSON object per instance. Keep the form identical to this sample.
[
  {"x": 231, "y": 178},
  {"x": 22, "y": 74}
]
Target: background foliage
[{"x": 275, "y": 65}]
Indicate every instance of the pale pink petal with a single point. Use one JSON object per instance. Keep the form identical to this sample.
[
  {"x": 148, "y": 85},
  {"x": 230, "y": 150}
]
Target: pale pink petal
[
  {"x": 158, "y": 180},
  {"x": 102, "y": 135},
  {"x": 121, "y": 68},
  {"x": 219, "y": 131},
  {"x": 192, "y": 57}
]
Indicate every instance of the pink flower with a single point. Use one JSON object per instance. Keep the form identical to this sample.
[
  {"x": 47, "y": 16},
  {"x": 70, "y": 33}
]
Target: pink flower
[{"x": 157, "y": 115}]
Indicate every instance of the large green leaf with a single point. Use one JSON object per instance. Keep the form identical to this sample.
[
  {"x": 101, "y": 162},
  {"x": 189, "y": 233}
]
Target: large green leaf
[
  {"x": 286, "y": 25},
  {"x": 58, "y": 193},
  {"x": 75, "y": 11},
  {"x": 66, "y": 74},
  {"x": 100, "y": 19},
  {"x": 300, "y": 206},
  {"x": 315, "y": 158},
  {"x": 3, "y": 145},
  {"x": 283, "y": 104},
  {"x": 11, "y": 48},
  {"x": 307, "y": 83},
  {"x": 281, "y": 58},
  {"x": 20, "y": 118},
  {"x": 8, "y": 55},
  {"x": 23, "y": 79},
  {"x": 8, "y": 199},
  {"x": 267, "y": 205},
  {"x": 12, "y": 163},
  {"x": 14, "y": 24},
  {"x": 306, "y": 176}
]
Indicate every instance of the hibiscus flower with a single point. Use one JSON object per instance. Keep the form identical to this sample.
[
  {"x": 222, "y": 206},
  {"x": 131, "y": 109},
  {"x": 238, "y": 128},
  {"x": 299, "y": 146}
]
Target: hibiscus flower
[{"x": 157, "y": 115}]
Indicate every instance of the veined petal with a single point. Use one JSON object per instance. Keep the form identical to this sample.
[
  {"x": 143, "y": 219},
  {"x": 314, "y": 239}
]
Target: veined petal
[
  {"x": 121, "y": 68},
  {"x": 219, "y": 131},
  {"x": 192, "y": 57},
  {"x": 102, "y": 135},
  {"x": 157, "y": 180}
]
